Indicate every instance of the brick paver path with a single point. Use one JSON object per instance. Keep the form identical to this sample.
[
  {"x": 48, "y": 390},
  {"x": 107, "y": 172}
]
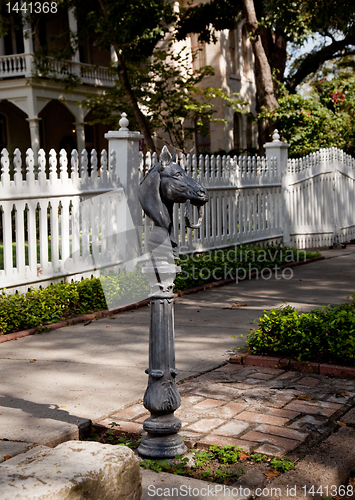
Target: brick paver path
[{"x": 260, "y": 409}]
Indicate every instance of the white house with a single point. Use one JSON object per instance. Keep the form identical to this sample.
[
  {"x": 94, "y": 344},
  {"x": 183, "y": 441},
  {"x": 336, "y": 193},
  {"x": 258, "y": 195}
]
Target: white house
[{"x": 38, "y": 112}]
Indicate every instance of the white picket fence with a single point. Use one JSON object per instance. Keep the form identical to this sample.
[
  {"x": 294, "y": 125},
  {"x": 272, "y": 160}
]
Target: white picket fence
[
  {"x": 66, "y": 218},
  {"x": 58, "y": 218},
  {"x": 244, "y": 207},
  {"x": 321, "y": 198}
]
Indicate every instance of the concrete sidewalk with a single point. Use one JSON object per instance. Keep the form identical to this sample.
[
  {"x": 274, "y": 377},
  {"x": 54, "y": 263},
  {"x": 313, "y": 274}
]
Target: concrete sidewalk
[{"x": 54, "y": 384}]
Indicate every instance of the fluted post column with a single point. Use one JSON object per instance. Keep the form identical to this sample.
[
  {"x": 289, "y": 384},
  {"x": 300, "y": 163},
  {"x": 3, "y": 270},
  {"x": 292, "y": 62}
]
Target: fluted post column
[{"x": 161, "y": 397}]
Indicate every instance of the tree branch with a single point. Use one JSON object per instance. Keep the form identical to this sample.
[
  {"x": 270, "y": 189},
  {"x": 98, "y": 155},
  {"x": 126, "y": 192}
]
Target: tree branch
[{"x": 312, "y": 61}]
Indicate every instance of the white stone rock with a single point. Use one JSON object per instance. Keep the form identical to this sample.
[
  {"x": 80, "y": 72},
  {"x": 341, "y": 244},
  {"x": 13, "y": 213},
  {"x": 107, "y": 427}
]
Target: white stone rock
[{"x": 75, "y": 470}]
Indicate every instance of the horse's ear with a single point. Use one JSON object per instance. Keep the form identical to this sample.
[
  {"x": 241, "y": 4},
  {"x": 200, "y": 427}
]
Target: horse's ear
[
  {"x": 149, "y": 198},
  {"x": 165, "y": 157},
  {"x": 174, "y": 158}
]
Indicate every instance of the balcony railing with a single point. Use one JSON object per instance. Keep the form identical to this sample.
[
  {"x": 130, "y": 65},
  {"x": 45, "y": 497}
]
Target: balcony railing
[{"x": 23, "y": 65}]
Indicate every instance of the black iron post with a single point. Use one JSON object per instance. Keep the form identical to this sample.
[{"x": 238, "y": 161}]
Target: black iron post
[
  {"x": 162, "y": 397},
  {"x": 165, "y": 184}
]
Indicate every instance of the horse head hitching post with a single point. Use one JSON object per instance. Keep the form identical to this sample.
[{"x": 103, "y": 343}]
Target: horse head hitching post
[{"x": 166, "y": 183}]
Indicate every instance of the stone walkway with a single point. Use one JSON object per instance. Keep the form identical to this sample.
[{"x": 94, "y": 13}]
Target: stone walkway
[{"x": 260, "y": 409}]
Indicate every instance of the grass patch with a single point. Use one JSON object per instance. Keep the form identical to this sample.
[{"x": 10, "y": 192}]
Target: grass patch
[{"x": 219, "y": 464}]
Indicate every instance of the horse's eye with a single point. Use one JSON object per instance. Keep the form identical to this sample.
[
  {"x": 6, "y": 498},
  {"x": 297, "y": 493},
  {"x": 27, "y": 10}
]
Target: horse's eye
[{"x": 178, "y": 174}]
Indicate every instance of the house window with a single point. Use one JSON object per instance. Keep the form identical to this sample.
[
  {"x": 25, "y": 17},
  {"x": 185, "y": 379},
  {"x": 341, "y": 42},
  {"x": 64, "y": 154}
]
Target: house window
[
  {"x": 13, "y": 37},
  {"x": 3, "y": 133},
  {"x": 245, "y": 50},
  {"x": 198, "y": 51},
  {"x": 202, "y": 137},
  {"x": 232, "y": 52},
  {"x": 236, "y": 131}
]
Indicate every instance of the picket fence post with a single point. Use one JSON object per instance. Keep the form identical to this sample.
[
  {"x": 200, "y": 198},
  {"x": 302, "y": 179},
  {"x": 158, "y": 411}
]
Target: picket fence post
[
  {"x": 124, "y": 159},
  {"x": 279, "y": 150}
]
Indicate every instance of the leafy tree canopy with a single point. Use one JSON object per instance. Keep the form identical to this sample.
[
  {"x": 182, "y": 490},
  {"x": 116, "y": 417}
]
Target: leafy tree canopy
[
  {"x": 168, "y": 89},
  {"x": 134, "y": 27},
  {"x": 281, "y": 22},
  {"x": 324, "y": 118}
]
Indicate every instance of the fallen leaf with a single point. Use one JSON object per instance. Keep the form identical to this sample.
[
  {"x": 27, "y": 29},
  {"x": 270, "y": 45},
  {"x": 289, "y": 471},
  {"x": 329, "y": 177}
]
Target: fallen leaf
[
  {"x": 344, "y": 394},
  {"x": 243, "y": 456},
  {"x": 304, "y": 398},
  {"x": 7, "y": 457},
  {"x": 107, "y": 326},
  {"x": 241, "y": 305},
  {"x": 32, "y": 360},
  {"x": 342, "y": 424},
  {"x": 63, "y": 406},
  {"x": 352, "y": 481},
  {"x": 271, "y": 473}
]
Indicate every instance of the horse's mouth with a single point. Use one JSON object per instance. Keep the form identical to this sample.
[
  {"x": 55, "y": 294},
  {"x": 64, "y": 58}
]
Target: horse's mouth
[
  {"x": 198, "y": 199},
  {"x": 188, "y": 223}
]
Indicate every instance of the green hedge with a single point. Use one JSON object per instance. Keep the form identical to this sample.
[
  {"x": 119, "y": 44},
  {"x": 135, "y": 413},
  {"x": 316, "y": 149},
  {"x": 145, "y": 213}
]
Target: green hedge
[
  {"x": 322, "y": 335},
  {"x": 44, "y": 306},
  {"x": 222, "y": 264}
]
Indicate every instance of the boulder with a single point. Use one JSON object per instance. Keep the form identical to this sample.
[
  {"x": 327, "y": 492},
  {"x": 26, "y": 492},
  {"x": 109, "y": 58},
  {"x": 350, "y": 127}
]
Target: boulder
[{"x": 75, "y": 470}]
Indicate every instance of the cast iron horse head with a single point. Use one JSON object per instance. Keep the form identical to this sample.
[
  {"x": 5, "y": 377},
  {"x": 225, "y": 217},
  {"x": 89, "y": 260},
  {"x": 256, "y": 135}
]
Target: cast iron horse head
[{"x": 167, "y": 183}]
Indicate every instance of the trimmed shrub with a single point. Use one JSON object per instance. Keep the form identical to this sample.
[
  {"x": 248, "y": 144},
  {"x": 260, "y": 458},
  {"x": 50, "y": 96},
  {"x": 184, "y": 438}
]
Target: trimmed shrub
[
  {"x": 322, "y": 335},
  {"x": 63, "y": 300}
]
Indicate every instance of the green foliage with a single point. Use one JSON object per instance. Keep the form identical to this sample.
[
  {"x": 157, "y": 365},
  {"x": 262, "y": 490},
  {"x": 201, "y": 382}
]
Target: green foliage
[
  {"x": 168, "y": 88},
  {"x": 257, "y": 457},
  {"x": 110, "y": 436},
  {"x": 324, "y": 335},
  {"x": 223, "y": 264},
  {"x": 48, "y": 305},
  {"x": 220, "y": 464},
  {"x": 281, "y": 465},
  {"x": 201, "y": 458},
  {"x": 156, "y": 465},
  {"x": 226, "y": 454},
  {"x": 166, "y": 465},
  {"x": 124, "y": 288},
  {"x": 114, "y": 22},
  {"x": 323, "y": 120},
  {"x": 130, "y": 443},
  {"x": 63, "y": 300},
  {"x": 228, "y": 473}
]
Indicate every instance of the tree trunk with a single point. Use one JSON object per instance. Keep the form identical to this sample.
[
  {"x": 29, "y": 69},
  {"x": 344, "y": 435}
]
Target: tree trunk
[
  {"x": 124, "y": 80},
  {"x": 140, "y": 118},
  {"x": 279, "y": 54},
  {"x": 313, "y": 60},
  {"x": 263, "y": 77}
]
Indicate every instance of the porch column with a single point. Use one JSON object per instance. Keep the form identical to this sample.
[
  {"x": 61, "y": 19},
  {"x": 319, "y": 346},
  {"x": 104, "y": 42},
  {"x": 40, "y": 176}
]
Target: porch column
[
  {"x": 80, "y": 136},
  {"x": 34, "y": 134},
  {"x": 27, "y": 43},
  {"x": 73, "y": 26}
]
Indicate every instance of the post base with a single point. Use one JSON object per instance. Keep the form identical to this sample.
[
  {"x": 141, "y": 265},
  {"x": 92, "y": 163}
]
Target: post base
[{"x": 158, "y": 446}]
